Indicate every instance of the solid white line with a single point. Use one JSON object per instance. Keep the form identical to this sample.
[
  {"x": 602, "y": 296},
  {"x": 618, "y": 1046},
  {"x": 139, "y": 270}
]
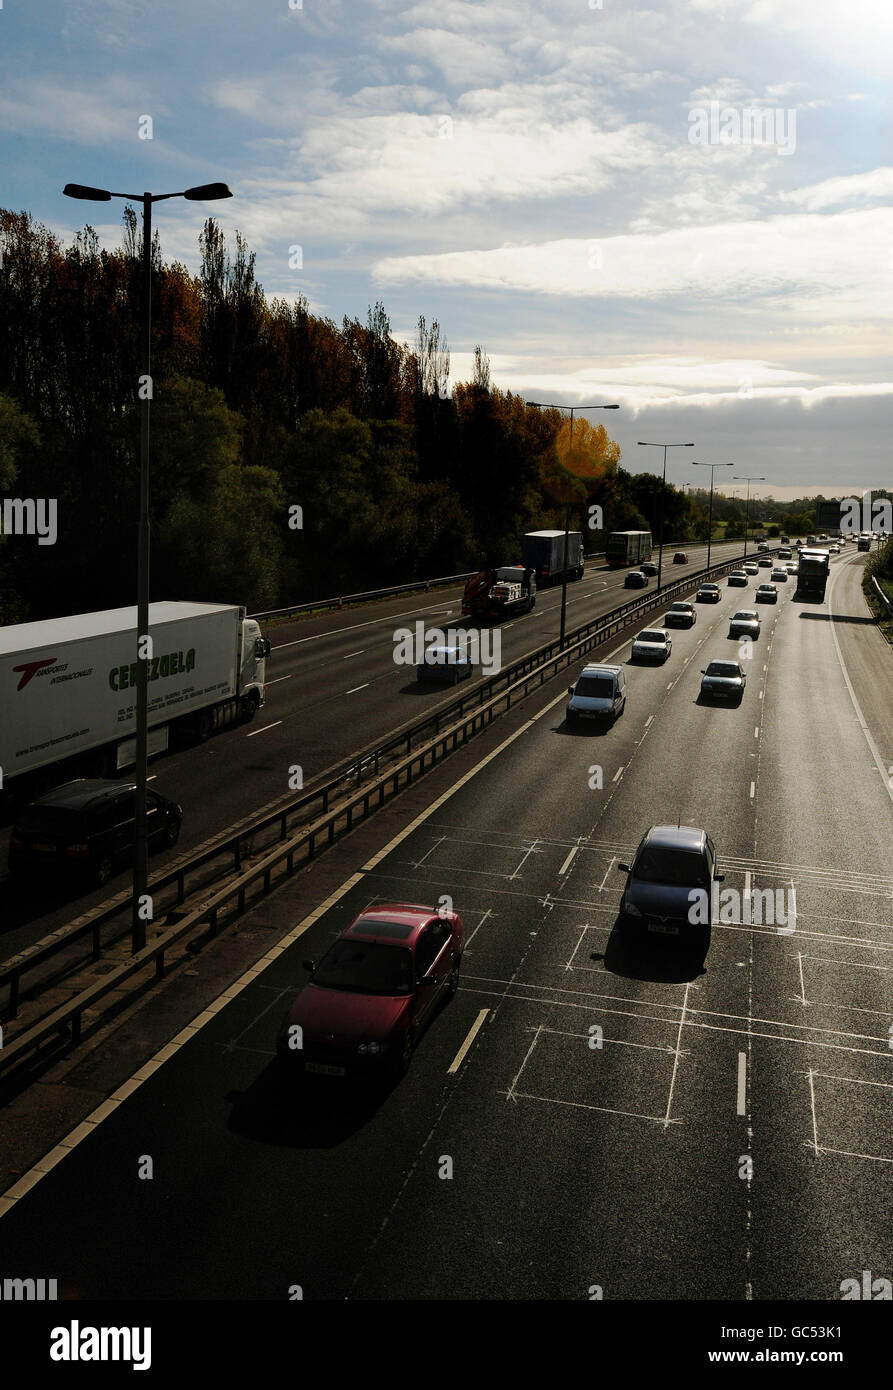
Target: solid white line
[
  {"x": 742, "y": 1083},
  {"x": 350, "y": 654},
  {"x": 566, "y": 865},
  {"x": 265, "y": 727},
  {"x": 337, "y": 631},
  {"x": 472, "y": 1034},
  {"x": 358, "y": 687},
  {"x": 667, "y": 1120},
  {"x": 875, "y": 753}
]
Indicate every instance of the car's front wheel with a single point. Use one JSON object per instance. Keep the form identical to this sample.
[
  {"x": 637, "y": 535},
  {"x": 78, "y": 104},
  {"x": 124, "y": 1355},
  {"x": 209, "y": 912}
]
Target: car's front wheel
[{"x": 172, "y": 833}]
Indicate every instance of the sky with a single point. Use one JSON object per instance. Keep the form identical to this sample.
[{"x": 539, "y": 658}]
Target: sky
[{"x": 683, "y": 208}]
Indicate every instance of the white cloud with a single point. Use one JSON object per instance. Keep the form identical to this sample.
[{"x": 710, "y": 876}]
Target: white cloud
[
  {"x": 845, "y": 189},
  {"x": 840, "y": 262}
]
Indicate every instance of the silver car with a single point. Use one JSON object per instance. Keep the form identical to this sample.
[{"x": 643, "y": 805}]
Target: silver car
[
  {"x": 653, "y": 644},
  {"x": 745, "y": 623},
  {"x": 599, "y": 694}
]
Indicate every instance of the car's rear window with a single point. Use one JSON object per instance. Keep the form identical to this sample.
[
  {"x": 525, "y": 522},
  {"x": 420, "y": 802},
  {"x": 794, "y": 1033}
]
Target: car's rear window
[
  {"x": 367, "y": 926},
  {"x": 595, "y": 687},
  {"x": 675, "y": 867},
  {"x": 366, "y": 967},
  {"x": 50, "y": 820}
]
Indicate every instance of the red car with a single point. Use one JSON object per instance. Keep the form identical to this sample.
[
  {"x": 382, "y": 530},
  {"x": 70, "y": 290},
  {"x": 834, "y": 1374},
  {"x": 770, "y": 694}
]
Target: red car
[{"x": 374, "y": 991}]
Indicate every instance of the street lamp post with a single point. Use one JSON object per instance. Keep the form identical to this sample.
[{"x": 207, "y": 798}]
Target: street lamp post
[
  {"x": 747, "y": 503},
  {"x": 711, "y": 466},
  {"x": 542, "y": 405},
  {"x": 203, "y": 193},
  {"x": 660, "y": 554}
]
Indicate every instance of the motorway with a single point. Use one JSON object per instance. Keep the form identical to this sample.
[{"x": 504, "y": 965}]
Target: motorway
[
  {"x": 333, "y": 689},
  {"x": 731, "y": 1137}
]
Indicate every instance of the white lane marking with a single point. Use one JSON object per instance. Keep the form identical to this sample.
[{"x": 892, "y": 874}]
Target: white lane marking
[
  {"x": 607, "y": 871},
  {"x": 472, "y": 1034},
  {"x": 618, "y": 774},
  {"x": 756, "y": 733},
  {"x": 753, "y": 787},
  {"x": 746, "y": 896},
  {"x": 350, "y": 654},
  {"x": 277, "y": 679},
  {"x": 648, "y": 720},
  {"x": 567, "y": 863},
  {"x": 336, "y": 632},
  {"x": 667, "y": 1120},
  {"x": 358, "y": 687},
  {"x": 265, "y": 727},
  {"x": 742, "y": 1083},
  {"x": 468, "y": 939},
  {"x": 801, "y": 997},
  {"x": 815, "y": 1132}
]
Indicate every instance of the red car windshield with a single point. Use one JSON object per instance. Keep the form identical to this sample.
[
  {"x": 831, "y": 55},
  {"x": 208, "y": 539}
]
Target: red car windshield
[{"x": 366, "y": 967}]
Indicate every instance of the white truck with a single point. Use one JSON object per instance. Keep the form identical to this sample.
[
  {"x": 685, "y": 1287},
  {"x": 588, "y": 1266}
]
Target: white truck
[
  {"x": 68, "y": 686},
  {"x": 543, "y": 552}
]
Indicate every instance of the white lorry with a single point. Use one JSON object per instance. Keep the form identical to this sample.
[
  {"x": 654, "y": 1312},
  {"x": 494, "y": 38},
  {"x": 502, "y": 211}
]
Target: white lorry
[{"x": 68, "y": 686}]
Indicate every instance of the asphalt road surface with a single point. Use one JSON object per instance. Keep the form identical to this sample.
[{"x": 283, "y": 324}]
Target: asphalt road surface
[{"x": 729, "y": 1139}]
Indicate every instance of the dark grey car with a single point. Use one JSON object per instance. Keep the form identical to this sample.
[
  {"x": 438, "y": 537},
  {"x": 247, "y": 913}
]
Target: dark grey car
[{"x": 669, "y": 886}]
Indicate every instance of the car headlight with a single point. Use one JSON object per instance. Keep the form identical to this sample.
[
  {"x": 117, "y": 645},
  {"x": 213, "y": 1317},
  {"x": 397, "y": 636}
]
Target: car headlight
[
  {"x": 631, "y": 910},
  {"x": 369, "y": 1048}
]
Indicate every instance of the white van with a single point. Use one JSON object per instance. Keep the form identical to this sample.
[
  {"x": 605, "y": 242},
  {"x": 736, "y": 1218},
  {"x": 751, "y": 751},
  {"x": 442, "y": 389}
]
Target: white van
[{"x": 600, "y": 693}]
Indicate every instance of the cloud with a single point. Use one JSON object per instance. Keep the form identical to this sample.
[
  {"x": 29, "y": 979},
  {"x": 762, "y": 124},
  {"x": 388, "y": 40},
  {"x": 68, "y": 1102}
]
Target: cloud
[{"x": 843, "y": 258}]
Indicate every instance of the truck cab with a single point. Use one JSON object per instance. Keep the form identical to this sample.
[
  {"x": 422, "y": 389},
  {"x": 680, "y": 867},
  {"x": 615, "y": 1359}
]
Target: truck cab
[{"x": 253, "y": 668}]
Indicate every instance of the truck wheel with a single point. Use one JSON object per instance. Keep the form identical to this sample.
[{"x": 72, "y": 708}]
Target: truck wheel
[
  {"x": 531, "y": 605},
  {"x": 203, "y": 727},
  {"x": 248, "y": 709}
]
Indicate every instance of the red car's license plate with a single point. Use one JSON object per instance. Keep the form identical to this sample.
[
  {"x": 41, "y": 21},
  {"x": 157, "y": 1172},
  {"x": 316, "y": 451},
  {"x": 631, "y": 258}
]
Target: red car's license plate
[{"x": 323, "y": 1069}]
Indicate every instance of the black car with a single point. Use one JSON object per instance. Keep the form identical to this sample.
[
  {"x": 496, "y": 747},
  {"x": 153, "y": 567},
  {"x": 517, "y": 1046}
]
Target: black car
[{"x": 86, "y": 829}]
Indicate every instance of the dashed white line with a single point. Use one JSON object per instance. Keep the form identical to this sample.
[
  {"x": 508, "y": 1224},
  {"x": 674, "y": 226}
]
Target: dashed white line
[
  {"x": 357, "y": 687},
  {"x": 277, "y": 679},
  {"x": 753, "y": 788},
  {"x": 742, "y": 1083},
  {"x": 618, "y": 774},
  {"x": 265, "y": 727},
  {"x": 350, "y": 654}
]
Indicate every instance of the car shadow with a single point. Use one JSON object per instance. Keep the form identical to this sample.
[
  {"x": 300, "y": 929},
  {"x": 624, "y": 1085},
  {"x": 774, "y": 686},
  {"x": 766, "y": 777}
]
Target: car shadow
[
  {"x": 661, "y": 960},
  {"x": 301, "y": 1112},
  {"x": 585, "y": 729}
]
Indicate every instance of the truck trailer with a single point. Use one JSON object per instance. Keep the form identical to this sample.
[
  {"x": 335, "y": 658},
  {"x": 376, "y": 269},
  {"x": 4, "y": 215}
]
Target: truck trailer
[
  {"x": 497, "y": 593},
  {"x": 813, "y": 569},
  {"x": 543, "y": 552},
  {"x": 68, "y": 686},
  {"x": 627, "y": 548}
]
